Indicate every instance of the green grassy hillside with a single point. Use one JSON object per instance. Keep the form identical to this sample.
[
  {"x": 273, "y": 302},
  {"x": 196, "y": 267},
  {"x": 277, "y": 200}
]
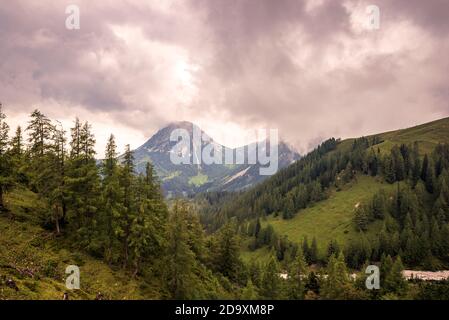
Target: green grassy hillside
[
  {"x": 35, "y": 259},
  {"x": 332, "y": 219},
  {"x": 428, "y": 135}
]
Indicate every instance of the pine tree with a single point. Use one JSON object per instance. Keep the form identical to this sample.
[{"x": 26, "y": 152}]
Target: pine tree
[
  {"x": 249, "y": 292},
  {"x": 348, "y": 173},
  {"x": 373, "y": 163},
  {"x": 297, "y": 277},
  {"x": 17, "y": 143},
  {"x": 54, "y": 177},
  {"x": 306, "y": 249},
  {"x": 314, "y": 251},
  {"x": 75, "y": 143},
  {"x": 362, "y": 218},
  {"x": 257, "y": 228},
  {"x": 424, "y": 168},
  {"x": 17, "y": 158},
  {"x": 398, "y": 164},
  {"x": 40, "y": 144},
  {"x": 83, "y": 187},
  {"x": 128, "y": 214},
  {"x": 5, "y": 166},
  {"x": 388, "y": 169},
  {"x": 227, "y": 257},
  {"x": 441, "y": 206},
  {"x": 112, "y": 199},
  {"x": 337, "y": 282},
  {"x": 148, "y": 230},
  {"x": 271, "y": 287},
  {"x": 255, "y": 273},
  {"x": 386, "y": 263},
  {"x": 181, "y": 262},
  {"x": 147, "y": 238},
  {"x": 436, "y": 241},
  {"x": 289, "y": 208},
  {"x": 379, "y": 205},
  {"x": 430, "y": 178},
  {"x": 40, "y": 131},
  {"x": 333, "y": 249},
  {"x": 415, "y": 164},
  {"x": 394, "y": 280}
]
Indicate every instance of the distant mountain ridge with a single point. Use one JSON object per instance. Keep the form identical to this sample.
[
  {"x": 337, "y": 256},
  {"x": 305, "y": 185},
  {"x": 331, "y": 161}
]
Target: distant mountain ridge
[{"x": 187, "y": 179}]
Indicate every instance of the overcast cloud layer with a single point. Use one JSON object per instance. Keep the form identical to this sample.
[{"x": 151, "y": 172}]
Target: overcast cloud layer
[{"x": 309, "y": 68}]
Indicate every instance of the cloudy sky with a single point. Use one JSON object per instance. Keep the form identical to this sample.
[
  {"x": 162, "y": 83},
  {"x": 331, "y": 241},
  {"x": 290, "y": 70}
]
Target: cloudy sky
[{"x": 312, "y": 69}]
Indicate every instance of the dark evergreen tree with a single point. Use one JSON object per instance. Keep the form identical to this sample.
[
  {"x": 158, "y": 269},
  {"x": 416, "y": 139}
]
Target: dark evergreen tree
[
  {"x": 5, "y": 166},
  {"x": 337, "y": 282},
  {"x": 297, "y": 276},
  {"x": 271, "y": 287},
  {"x": 181, "y": 263},
  {"x": 394, "y": 281},
  {"x": 415, "y": 164},
  {"x": 40, "y": 132},
  {"x": 128, "y": 214},
  {"x": 333, "y": 249},
  {"x": 314, "y": 251},
  {"x": 424, "y": 168},
  {"x": 362, "y": 218},
  {"x": 227, "y": 256},
  {"x": 82, "y": 186},
  {"x": 112, "y": 200}
]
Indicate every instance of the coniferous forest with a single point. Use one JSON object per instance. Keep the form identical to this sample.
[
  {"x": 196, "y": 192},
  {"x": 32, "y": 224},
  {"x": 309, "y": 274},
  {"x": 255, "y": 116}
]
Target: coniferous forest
[{"x": 101, "y": 212}]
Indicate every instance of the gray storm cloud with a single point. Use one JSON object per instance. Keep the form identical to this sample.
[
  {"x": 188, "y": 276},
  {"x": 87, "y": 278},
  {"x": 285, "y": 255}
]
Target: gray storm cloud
[{"x": 308, "y": 68}]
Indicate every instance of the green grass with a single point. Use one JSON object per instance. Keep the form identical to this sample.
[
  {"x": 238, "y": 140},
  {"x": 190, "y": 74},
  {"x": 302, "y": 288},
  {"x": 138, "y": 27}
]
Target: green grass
[
  {"x": 198, "y": 180},
  {"x": 260, "y": 255},
  {"x": 332, "y": 218},
  {"x": 427, "y": 135},
  {"x": 35, "y": 259}
]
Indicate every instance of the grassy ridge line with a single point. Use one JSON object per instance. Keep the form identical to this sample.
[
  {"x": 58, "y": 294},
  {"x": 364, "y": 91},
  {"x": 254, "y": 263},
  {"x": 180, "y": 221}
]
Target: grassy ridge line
[{"x": 428, "y": 135}]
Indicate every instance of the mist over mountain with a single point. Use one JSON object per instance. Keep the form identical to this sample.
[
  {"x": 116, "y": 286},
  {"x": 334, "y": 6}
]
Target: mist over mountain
[{"x": 186, "y": 179}]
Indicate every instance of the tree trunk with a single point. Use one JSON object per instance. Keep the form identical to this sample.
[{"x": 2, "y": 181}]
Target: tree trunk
[
  {"x": 64, "y": 213},
  {"x": 58, "y": 231},
  {"x": 1, "y": 198},
  {"x": 125, "y": 252},
  {"x": 126, "y": 244},
  {"x": 137, "y": 269}
]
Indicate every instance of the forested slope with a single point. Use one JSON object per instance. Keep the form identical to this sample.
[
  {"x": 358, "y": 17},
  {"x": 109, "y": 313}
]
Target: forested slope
[{"x": 383, "y": 194}]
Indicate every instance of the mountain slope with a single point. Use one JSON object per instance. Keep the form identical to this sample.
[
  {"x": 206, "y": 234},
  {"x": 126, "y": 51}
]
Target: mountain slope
[
  {"x": 331, "y": 219},
  {"x": 35, "y": 260},
  {"x": 191, "y": 178},
  {"x": 330, "y": 214}
]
